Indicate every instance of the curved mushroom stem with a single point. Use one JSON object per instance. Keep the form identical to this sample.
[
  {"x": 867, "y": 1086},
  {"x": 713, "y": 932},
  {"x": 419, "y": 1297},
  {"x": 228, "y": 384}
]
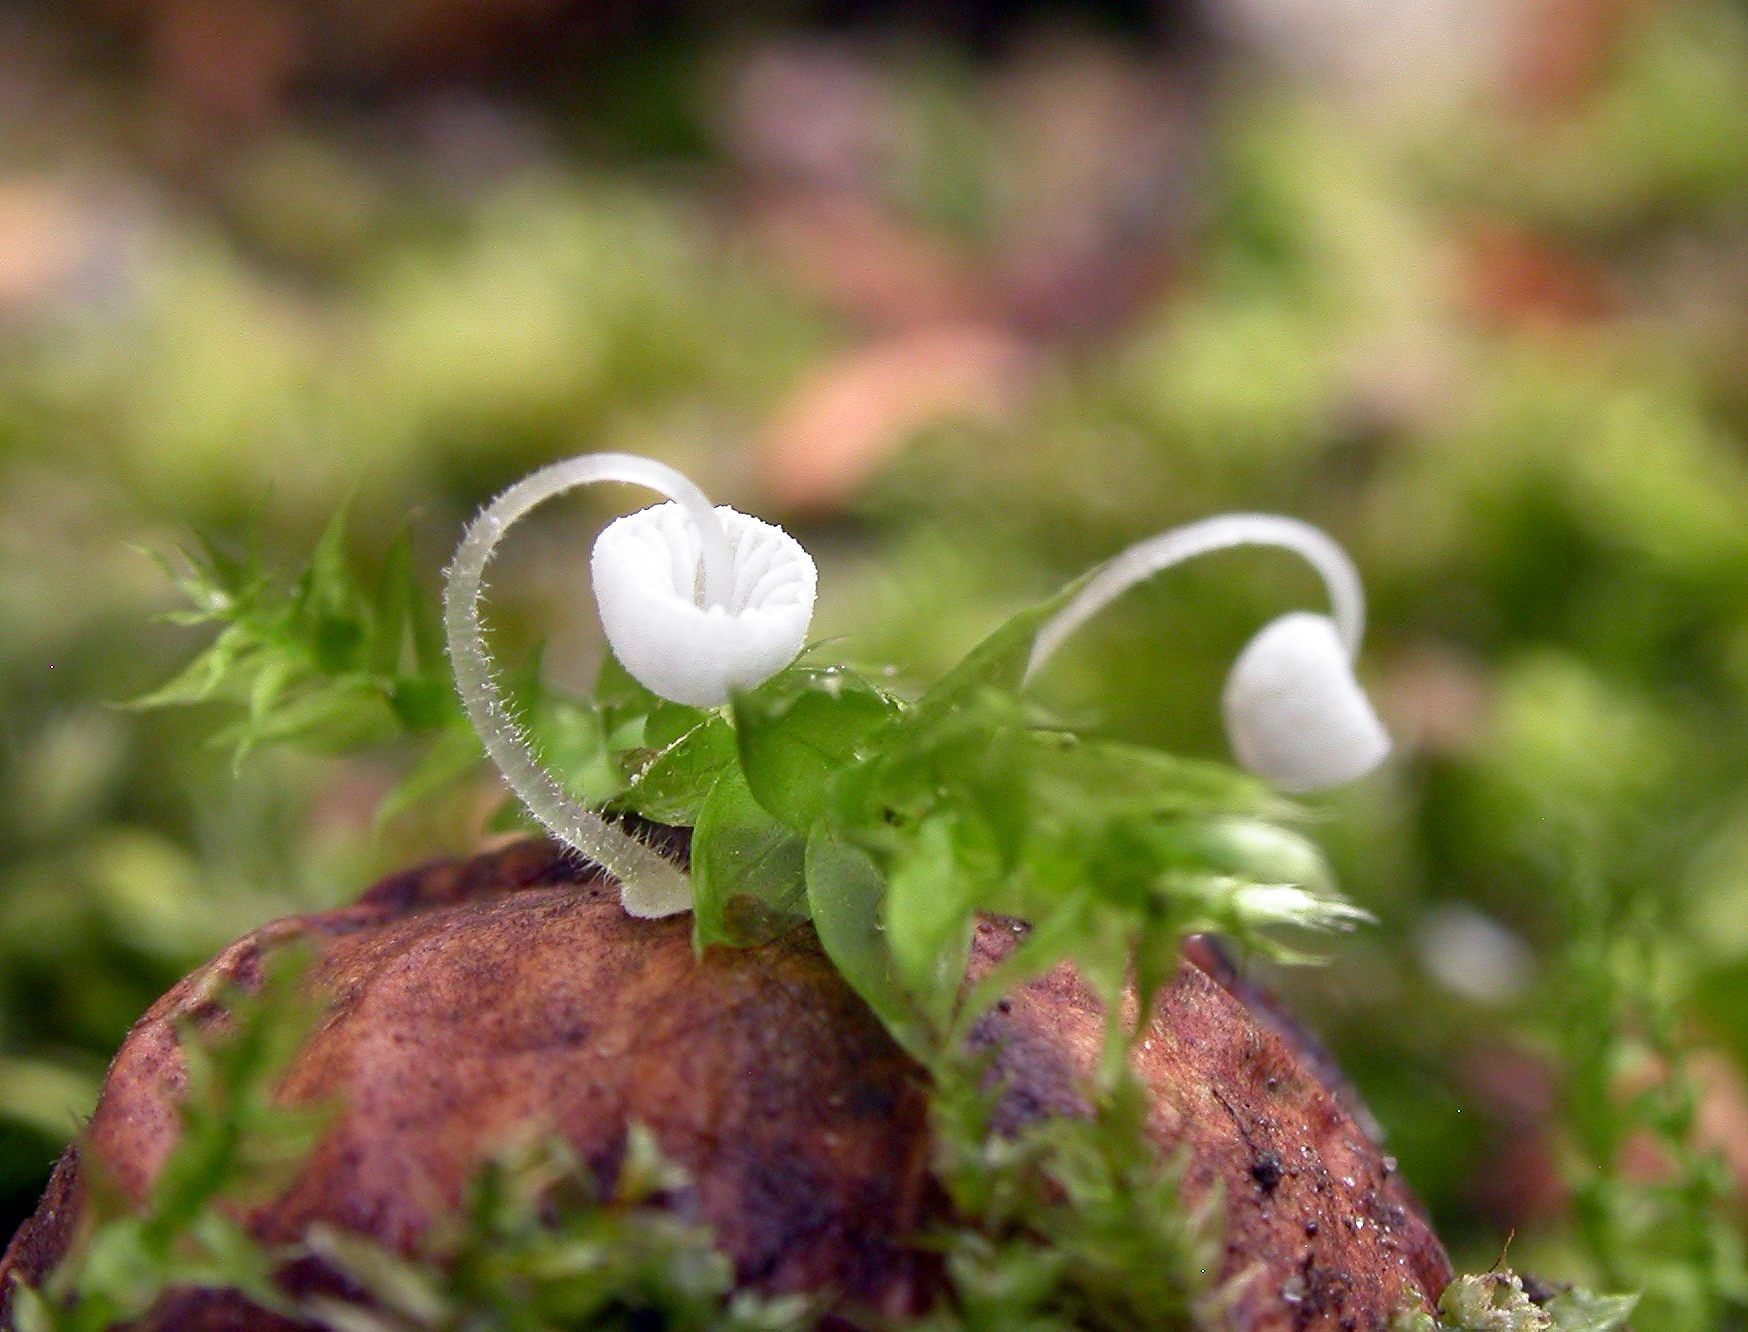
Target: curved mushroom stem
[
  {"x": 1146, "y": 558},
  {"x": 652, "y": 885}
]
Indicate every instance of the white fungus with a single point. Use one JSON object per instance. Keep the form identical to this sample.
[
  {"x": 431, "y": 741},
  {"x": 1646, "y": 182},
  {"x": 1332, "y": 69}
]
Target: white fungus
[
  {"x": 645, "y": 572},
  {"x": 696, "y": 602},
  {"x": 1294, "y": 712}
]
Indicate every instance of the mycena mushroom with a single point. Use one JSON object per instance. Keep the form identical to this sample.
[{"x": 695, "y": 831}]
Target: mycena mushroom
[
  {"x": 1295, "y": 714},
  {"x": 696, "y": 602},
  {"x": 689, "y": 647}
]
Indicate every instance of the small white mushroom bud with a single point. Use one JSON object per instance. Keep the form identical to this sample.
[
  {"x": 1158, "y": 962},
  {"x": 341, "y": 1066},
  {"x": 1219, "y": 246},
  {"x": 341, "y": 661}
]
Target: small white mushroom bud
[
  {"x": 648, "y": 590},
  {"x": 1295, "y": 714},
  {"x": 696, "y": 602}
]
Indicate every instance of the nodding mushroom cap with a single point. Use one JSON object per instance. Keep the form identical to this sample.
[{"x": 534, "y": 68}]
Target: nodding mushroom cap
[
  {"x": 1294, "y": 712},
  {"x": 646, "y": 572}
]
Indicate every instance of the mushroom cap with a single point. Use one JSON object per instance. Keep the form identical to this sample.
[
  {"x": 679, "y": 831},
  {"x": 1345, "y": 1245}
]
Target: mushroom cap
[
  {"x": 472, "y": 998},
  {"x": 646, "y": 574},
  {"x": 1294, "y": 712}
]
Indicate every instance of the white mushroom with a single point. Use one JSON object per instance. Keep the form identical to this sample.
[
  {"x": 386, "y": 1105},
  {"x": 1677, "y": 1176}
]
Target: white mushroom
[
  {"x": 645, "y": 572},
  {"x": 696, "y": 602},
  {"x": 1294, "y": 712}
]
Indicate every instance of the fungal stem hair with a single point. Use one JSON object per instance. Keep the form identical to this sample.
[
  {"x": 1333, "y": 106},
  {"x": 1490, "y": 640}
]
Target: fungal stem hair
[{"x": 652, "y": 884}]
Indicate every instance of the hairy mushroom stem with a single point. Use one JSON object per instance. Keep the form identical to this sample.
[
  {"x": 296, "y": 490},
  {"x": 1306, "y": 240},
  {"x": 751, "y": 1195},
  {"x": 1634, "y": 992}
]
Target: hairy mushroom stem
[
  {"x": 1295, "y": 714},
  {"x": 1146, "y": 558},
  {"x": 652, "y": 885}
]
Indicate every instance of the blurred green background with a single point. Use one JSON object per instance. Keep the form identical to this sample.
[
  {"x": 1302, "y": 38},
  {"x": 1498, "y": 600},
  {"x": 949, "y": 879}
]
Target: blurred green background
[{"x": 969, "y": 296}]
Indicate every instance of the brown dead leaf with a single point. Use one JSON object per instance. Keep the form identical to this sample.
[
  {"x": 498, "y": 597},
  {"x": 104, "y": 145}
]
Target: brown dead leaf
[
  {"x": 1563, "y": 49},
  {"x": 851, "y": 414},
  {"x": 230, "y": 59},
  {"x": 42, "y": 236},
  {"x": 1518, "y": 278},
  {"x": 473, "y": 998},
  {"x": 867, "y": 261}
]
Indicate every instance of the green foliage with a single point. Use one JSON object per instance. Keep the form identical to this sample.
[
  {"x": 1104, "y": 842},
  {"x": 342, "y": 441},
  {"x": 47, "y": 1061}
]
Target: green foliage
[
  {"x": 1628, "y": 1084},
  {"x": 1074, "y": 1223},
  {"x": 1497, "y": 1302},
  {"x": 965, "y": 802},
  {"x": 538, "y": 1247},
  {"x": 749, "y": 878},
  {"x": 238, "y": 1145},
  {"x": 331, "y": 660},
  {"x": 798, "y": 729},
  {"x": 343, "y": 661},
  {"x": 1615, "y": 1024},
  {"x": 844, "y": 889},
  {"x": 672, "y": 785}
]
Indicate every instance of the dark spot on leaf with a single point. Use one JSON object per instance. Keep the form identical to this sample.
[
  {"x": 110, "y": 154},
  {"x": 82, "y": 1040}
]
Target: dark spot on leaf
[
  {"x": 872, "y": 1100},
  {"x": 1266, "y": 1171}
]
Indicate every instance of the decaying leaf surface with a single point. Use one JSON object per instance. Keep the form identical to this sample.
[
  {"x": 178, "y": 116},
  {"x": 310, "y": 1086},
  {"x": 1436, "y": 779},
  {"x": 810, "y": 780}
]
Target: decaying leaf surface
[{"x": 472, "y": 999}]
